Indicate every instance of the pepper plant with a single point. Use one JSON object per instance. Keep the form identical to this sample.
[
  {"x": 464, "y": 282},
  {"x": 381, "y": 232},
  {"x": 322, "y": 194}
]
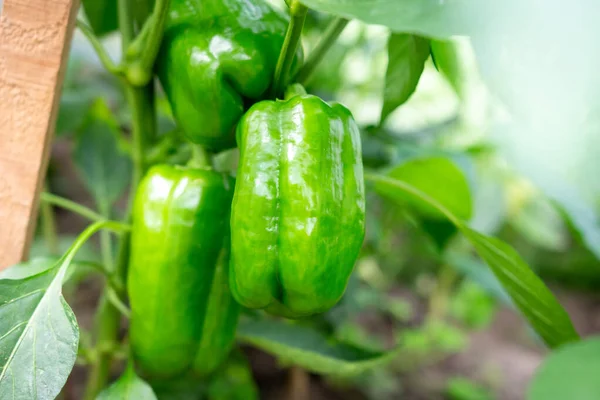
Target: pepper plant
[{"x": 244, "y": 221}]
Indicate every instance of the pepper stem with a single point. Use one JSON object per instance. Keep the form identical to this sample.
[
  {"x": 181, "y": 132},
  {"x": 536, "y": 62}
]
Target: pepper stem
[
  {"x": 298, "y": 13},
  {"x": 295, "y": 89},
  {"x": 200, "y": 157}
]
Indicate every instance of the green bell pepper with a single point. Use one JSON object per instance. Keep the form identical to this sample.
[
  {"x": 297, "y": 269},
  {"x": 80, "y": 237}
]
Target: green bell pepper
[
  {"x": 216, "y": 56},
  {"x": 298, "y": 214},
  {"x": 180, "y": 220}
]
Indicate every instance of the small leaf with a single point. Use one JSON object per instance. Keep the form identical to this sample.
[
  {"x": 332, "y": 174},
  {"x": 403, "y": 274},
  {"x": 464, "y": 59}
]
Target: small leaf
[
  {"x": 406, "y": 60},
  {"x": 571, "y": 372},
  {"x": 308, "y": 348},
  {"x": 103, "y": 164},
  {"x": 440, "y": 178},
  {"x": 38, "y": 336},
  {"x": 128, "y": 387},
  {"x": 102, "y": 15},
  {"x": 452, "y": 58},
  {"x": 532, "y": 297}
]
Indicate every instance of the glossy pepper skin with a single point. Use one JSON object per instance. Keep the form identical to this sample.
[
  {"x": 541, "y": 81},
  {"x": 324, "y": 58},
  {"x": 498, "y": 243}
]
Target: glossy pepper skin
[
  {"x": 215, "y": 56},
  {"x": 220, "y": 320},
  {"x": 298, "y": 214},
  {"x": 179, "y": 224}
]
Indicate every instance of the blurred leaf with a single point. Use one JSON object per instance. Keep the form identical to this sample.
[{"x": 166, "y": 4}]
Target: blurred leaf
[
  {"x": 447, "y": 57},
  {"x": 406, "y": 59},
  {"x": 102, "y": 15},
  {"x": 308, "y": 348},
  {"x": 426, "y": 16},
  {"x": 439, "y": 178},
  {"x": 104, "y": 166},
  {"x": 128, "y": 387},
  {"x": 465, "y": 389},
  {"x": 39, "y": 335},
  {"x": 234, "y": 381},
  {"x": 533, "y": 298},
  {"x": 570, "y": 372},
  {"x": 74, "y": 106}
]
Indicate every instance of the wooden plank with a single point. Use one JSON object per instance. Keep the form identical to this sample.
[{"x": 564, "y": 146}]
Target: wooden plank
[{"x": 35, "y": 37}]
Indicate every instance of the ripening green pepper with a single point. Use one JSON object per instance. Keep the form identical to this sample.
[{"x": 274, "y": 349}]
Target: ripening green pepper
[
  {"x": 179, "y": 226},
  {"x": 298, "y": 213},
  {"x": 220, "y": 320},
  {"x": 216, "y": 56}
]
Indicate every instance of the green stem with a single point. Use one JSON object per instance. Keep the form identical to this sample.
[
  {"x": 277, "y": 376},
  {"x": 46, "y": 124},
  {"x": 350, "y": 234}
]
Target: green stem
[
  {"x": 295, "y": 89},
  {"x": 114, "y": 226},
  {"x": 126, "y": 26},
  {"x": 105, "y": 59},
  {"x": 49, "y": 227},
  {"x": 200, "y": 157},
  {"x": 67, "y": 204},
  {"x": 290, "y": 45},
  {"x": 329, "y": 37},
  {"x": 142, "y": 52},
  {"x": 108, "y": 317}
]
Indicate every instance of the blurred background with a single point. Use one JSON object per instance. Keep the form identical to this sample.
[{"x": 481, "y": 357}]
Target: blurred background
[{"x": 516, "y": 118}]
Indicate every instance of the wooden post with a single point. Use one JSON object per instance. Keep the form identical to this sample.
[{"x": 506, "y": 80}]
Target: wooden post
[{"x": 35, "y": 37}]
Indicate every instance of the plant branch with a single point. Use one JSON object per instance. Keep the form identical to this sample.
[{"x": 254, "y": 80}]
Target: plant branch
[
  {"x": 334, "y": 29},
  {"x": 105, "y": 59},
  {"x": 108, "y": 316},
  {"x": 71, "y": 206},
  {"x": 142, "y": 52},
  {"x": 288, "y": 50}
]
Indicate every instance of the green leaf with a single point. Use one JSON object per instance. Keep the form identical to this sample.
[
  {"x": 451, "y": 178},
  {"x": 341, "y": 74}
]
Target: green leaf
[
  {"x": 406, "y": 60},
  {"x": 570, "y": 372},
  {"x": 440, "y": 178},
  {"x": 100, "y": 158},
  {"x": 308, "y": 348},
  {"x": 128, "y": 387},
  {"x": 38, "y": 336},
  {"x": 432, "y": 17},
  {"x": 28, "y": 268},
  {"x": 531, "y": 296},
  {"x": 451, "y": 58},
  {"x": 102, "y": 15}
]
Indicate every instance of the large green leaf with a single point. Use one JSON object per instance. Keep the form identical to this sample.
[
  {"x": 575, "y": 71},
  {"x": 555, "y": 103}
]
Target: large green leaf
[
  {"x": 406, "y": 60},
  {"x": 309, "y": 348},
  {"x": 102, "y": 15},
  {"x": 430, "y": 17},
  {"x": 570, "y": 372},
  {"x": 38, "y": 336},
  {"x": 440, "y": 178},
  {"x": 100, "y": 158},
  {"x": 128, "y": 387},
  {"x": 531, "y": 296}
]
